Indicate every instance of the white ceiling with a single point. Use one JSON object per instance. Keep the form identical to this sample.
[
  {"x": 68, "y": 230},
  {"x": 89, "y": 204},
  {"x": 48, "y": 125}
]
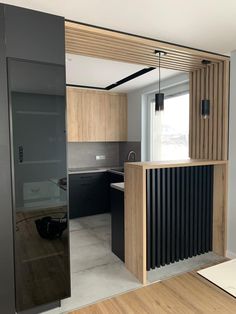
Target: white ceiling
[
  {"x": 81, "y": 70},
  {"x": 203, "y": 24}
]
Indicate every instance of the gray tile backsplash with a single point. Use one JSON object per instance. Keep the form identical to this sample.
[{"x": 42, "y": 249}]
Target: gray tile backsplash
[{"x": 84, "y": 154}]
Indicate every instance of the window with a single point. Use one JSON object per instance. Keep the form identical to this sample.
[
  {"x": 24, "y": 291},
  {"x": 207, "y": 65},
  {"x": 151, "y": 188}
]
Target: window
[{"x": 169, "y": 129}]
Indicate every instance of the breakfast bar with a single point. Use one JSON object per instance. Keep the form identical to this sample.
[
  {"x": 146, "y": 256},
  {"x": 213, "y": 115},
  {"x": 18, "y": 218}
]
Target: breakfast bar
[{"x": 173, "y": 211}]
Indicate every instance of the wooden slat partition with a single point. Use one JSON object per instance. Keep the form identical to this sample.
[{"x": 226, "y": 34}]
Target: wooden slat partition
[
  {"x": 107, "y": 44},
  {"x": 209, "y": 137}
]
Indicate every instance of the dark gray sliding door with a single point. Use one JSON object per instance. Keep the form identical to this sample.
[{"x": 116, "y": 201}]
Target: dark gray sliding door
[{"x": 40, "y": 211}]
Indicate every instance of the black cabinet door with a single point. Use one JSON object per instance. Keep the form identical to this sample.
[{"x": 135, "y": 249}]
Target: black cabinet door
[
  {"x": 117, "y": 223},
  {"x": 88, "y": 194}
]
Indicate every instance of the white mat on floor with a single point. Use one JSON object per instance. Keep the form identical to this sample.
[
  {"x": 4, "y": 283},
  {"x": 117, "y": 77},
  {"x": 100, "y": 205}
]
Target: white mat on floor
[{"x": 222, "y": 275}]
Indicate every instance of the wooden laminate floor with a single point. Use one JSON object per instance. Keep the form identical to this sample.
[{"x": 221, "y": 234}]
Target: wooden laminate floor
[{"x": 187, "y": 293}]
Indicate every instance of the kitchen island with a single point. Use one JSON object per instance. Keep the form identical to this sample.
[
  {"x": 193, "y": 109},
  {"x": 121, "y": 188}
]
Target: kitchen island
[{"x": 173, "y": 210}]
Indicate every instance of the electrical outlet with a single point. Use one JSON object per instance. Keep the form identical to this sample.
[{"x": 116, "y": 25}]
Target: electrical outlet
[{"x": 100, "y": 157}]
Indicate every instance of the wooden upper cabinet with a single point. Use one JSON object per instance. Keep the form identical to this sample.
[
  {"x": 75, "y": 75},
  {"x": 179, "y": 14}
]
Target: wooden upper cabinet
[
  {"x": 95, "y": 116},
  {"x": 116, "y": 127}
]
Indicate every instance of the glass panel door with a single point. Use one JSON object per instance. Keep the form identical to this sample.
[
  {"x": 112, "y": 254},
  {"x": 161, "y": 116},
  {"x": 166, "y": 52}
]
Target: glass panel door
[{"x": 37, "y": 104}]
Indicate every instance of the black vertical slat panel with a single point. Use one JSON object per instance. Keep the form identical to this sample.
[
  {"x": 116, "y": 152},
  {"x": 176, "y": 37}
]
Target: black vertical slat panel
[
  {"x": 158, "y": 218},
  {"x": 153, "y": 219},
  {"x": 163, "y": 217},
  {"x": 182, "y": 213},
  {"x": 205, "y": 209},
  {"x": 199, "y": 212},
  {"x": 177, "y": 222},
  {"x": 179, "y": 213},
  {"x": 187, "y": 207},
  {"x": 211, "y": 207},
  {"x": 148, "y": 223},
  {"x": 173, "y": 214},
  {"x": 168, "y": 216},
  {"x": 191, "y": 211},
  {"x": 207, "y": 204},
  {"x": 195, "y": 203}
]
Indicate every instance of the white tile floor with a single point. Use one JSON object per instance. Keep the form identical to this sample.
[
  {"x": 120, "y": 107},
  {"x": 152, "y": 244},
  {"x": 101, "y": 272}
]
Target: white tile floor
[{"x": 96, "y": 273}]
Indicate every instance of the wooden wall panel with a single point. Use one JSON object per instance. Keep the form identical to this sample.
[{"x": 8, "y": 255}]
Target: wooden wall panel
[
  {"x": 208, "y": 138},
  {"x": 220, "y": 209}
]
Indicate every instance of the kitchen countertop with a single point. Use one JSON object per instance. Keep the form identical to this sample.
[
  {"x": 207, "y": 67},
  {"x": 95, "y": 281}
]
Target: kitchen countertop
[
  {"x": 118, "y": 186},
  {"x": 114, "y": 169}
]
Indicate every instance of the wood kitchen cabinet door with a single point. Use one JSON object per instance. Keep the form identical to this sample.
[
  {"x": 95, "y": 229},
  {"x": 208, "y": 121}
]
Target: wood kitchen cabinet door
[
  {"x": 95, "y": 116},
  {"x": 116, "y": 127},
  {"x": 74, "y": 113},
  {"x": 85, "y": 116}
]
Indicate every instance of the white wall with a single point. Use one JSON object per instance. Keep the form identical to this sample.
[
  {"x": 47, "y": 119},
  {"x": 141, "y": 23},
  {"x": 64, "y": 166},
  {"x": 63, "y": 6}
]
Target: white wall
[{"x": 231, "y": 248}]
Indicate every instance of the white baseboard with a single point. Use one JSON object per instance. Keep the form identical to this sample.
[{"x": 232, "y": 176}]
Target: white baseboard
[{"x": 230, "y": 255}]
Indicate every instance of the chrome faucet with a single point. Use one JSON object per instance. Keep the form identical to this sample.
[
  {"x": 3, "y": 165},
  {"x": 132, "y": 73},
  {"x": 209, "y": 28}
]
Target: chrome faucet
[{"x": 131, "y": 156}]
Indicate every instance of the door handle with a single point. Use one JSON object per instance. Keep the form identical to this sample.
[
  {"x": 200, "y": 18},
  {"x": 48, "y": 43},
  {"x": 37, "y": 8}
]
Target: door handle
[{"x": 21, "y": 153}]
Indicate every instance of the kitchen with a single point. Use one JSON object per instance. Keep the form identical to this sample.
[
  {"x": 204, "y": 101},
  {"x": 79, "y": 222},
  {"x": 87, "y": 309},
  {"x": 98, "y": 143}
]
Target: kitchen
[{"x": 80, "y": 233}]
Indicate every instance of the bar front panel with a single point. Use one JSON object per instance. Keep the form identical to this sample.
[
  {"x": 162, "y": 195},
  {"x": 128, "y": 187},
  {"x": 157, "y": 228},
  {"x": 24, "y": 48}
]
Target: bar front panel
[{"x": 179, "y": 213}]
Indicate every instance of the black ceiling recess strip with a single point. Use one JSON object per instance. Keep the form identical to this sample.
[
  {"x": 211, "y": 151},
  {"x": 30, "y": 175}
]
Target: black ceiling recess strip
[
  {"x": 120, "y": 82},
  {"x": 130, "y": 77},
  {"x": 85, "y": 86}
]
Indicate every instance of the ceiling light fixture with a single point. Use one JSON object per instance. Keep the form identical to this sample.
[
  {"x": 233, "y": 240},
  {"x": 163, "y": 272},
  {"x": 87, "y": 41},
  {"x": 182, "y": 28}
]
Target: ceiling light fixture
[
  {"x": 159, "y": 97},
  {"x": 205, "y": 103}
]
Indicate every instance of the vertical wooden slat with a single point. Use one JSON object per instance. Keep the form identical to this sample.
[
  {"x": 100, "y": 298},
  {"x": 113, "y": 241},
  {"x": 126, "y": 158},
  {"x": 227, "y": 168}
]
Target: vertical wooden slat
[
  {"x": 194, "y": 115},
  {"x": 225, "y": 111},
  {"x": 190, "y": 114},
  {"x": 206, "y": 122},
  {"x": 198, "y": 113},
  {"x": 211, "y": 95},
  {"x": 215, "y": 111},
  {"x": 220, "y": 113},
  {"x": 202, "y": 137}
]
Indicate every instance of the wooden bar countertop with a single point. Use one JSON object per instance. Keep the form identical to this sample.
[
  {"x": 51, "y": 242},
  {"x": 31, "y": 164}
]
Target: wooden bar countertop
[{"x": 175, "y": 163}]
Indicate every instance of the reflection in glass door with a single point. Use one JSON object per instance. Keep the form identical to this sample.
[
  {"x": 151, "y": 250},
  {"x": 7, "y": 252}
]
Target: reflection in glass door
[{"x": 37, "y": 102}]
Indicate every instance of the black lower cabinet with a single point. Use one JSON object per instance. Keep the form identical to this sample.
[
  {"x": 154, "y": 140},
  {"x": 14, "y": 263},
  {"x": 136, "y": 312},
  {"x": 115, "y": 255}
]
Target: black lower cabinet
[
  {"x": 117, "y": 223},
  {"x": 88, "y": 194}
]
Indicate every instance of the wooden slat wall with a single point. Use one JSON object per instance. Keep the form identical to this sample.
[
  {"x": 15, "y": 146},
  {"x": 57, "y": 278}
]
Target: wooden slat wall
[{"x": 208, "y": 138}]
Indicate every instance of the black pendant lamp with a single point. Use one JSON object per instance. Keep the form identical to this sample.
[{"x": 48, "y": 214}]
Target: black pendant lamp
[
  {"x": 205, "y": 103},
  {"x": 159, "y": 97}
]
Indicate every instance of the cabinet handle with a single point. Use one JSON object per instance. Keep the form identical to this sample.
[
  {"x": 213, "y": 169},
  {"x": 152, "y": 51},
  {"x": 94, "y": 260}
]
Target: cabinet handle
[{"x": 21, "y": 153}]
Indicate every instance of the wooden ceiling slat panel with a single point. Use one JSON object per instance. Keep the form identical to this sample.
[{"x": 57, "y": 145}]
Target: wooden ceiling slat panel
[
  {"x": 111, "y": 35},
  {"x": 142, "y": 48},
  {"x": 109, "y": 46},
  {"x": 124, "y": 54},
  {"x": 103, "y": 55}
]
